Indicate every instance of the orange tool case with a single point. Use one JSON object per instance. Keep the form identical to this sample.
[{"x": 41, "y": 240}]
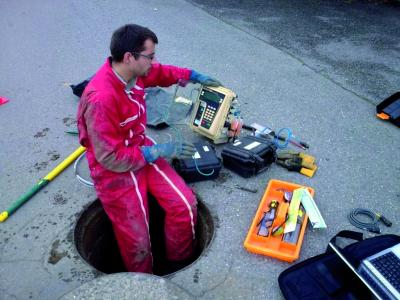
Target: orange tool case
[{"x": 270, "y": 245}]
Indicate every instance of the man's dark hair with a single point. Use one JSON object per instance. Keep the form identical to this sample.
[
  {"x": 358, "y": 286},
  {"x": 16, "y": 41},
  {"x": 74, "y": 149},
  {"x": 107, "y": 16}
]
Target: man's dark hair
[{"x": 130, "y": 38}]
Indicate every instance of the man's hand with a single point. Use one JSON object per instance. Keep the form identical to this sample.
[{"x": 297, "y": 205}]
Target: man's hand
[
  {"x": 203, "y": 79},
  {"x": 187, "y": 150},
  {"x": 168, "y": 150}
]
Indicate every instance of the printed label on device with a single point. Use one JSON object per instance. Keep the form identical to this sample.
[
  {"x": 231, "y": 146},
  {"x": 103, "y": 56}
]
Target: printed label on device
[
  {"x": 252, "y": 145},
  {"x": 196, "y": 155}
]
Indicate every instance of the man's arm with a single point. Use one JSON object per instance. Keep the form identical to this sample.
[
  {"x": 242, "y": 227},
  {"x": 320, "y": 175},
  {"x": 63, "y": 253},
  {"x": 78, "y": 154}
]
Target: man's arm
[
  {"x": 108, "y": 144},
  {"x": 165, "y": 75}
]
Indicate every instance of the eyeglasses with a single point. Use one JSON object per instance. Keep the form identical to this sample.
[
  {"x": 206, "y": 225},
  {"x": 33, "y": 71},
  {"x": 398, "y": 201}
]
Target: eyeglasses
[{"x": 150, "y": 56}]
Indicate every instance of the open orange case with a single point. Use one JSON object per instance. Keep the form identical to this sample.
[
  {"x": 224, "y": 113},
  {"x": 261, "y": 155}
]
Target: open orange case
[{"x": 275, "y": 246}]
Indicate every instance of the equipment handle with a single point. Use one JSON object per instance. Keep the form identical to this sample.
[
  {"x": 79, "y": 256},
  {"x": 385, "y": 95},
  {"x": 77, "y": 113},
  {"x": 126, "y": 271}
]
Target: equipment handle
[{"x": 349, "y": 234}]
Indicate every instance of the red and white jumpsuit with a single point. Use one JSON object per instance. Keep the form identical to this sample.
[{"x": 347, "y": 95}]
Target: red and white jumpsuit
[{"x": 111, "y": 124}]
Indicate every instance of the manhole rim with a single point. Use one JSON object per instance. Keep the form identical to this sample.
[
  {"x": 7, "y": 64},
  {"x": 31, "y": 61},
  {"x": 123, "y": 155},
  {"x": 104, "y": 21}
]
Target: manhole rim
[
  {"x": 101, "y": 273},
  {"x": 74, "y": 238}
]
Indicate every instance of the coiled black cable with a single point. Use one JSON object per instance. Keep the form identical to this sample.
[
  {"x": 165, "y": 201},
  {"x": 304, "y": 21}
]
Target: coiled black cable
[{"x": 371, "y": 226}]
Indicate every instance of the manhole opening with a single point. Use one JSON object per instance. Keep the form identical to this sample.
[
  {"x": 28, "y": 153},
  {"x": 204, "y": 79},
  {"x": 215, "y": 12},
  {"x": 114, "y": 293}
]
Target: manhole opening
[{"x": 96, "y": 243}]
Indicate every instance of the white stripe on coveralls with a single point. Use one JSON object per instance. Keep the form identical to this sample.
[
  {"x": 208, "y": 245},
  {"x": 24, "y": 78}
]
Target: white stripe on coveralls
[
  {"x": 179, "y": 193},
  {"x": 143, "y": 210}
]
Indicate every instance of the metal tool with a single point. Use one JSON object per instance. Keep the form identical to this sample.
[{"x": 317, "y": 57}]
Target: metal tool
[
  {"x": 278, "y": 230},
  {"x": 287, "y": 195},
  {"x": 246, "y": 189},
  {"x": 293, "y": 236},
  {"x": 267, "y": 132},
  {"x": 267, "y": 219}
]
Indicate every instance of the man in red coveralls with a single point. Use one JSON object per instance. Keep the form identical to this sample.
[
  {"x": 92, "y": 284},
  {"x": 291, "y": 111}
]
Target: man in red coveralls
[{"x": 124, "y": 163}]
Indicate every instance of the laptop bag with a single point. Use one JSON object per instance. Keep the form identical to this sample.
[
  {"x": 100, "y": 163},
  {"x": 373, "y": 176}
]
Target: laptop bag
[{"x": 326, "y": 276}]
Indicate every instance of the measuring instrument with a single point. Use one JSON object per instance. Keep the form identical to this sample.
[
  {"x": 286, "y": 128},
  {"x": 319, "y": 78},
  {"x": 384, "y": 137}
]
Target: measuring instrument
[{"x": 216, "y": 114}]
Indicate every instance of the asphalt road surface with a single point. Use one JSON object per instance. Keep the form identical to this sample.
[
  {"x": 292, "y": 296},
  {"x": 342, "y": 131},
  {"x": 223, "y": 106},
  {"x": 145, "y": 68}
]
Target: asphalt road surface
[{"x": 356, "y": 44}]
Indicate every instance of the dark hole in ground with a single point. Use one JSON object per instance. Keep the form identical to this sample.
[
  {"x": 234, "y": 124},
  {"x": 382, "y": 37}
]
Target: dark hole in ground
[{"x": 95, "y": 240}]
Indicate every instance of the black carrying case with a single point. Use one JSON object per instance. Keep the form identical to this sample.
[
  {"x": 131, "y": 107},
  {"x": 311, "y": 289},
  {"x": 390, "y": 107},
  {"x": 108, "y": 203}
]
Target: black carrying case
[
  {"x": 77, "y": 89},
  {"x": 326, "y": 276},
  {"x": 208, "y": 163},
  {"x": 249, "y": 155},
  {"x": 391, "y": 107}
]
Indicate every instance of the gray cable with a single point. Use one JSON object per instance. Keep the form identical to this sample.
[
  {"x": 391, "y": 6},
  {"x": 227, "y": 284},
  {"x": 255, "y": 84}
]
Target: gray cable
[{"x": 370, "y": 226}]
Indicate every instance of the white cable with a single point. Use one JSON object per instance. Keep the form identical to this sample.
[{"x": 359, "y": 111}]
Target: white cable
[{"x": 79, "y": 177}]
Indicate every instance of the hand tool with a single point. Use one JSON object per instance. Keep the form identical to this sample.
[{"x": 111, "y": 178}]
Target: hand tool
[
  {"x": 73, "y": 132},
  {"x": 293, "y": 211},
  {"x": 267, "y": 132},
  {"x": 239, "y": 187},
  {"x": 287, "y": 195},
  {"x": 293, "y": 236},
  {"x": 281, "y": 218},
  {"x": 278, "y": 230},
  {"x": 267, "y": 219}
]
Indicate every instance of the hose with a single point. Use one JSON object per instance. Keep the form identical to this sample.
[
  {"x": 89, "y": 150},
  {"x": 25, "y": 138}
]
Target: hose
[
  {"x": 79, "y": 177},
  {"x": 371, "y": 226},
  {"x": 200, "y": 172},
  {"x": 279, "y": 137}
]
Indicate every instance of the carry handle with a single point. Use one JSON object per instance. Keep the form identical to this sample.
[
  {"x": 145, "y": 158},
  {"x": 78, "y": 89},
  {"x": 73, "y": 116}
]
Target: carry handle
[{"x": 348, "y": 234}]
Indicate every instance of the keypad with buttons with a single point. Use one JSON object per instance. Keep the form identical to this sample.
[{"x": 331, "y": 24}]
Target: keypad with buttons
[{"x": 389, "y": 266}]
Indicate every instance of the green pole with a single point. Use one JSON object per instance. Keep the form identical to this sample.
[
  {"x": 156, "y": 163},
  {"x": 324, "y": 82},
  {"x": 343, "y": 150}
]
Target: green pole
[
  {"x": 21, "y": 200},
  {"x": 41, "y": 183}
]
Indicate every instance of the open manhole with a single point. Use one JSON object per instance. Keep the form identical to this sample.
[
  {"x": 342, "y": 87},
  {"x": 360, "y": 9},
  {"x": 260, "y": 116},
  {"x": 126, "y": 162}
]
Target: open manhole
[{"x": 96, "y": 243}]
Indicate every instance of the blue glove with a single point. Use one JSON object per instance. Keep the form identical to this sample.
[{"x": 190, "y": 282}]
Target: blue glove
[
  {"x": 168, "y": 150},
  {"x": 203, "y": 79}
]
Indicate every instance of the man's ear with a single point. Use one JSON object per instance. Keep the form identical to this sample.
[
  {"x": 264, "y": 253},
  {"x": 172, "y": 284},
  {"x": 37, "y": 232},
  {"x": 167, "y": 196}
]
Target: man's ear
[{"x": 127, "y": 57}]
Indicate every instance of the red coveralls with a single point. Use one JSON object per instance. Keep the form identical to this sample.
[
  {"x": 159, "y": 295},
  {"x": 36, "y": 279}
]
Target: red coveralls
[{"x": 111, "y": 124}]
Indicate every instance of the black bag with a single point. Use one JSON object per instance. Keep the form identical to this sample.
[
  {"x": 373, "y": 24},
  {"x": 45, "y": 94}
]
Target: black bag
[
  {"x": 207, "y": 163},
  {"x": 391, "y": 108},
  {"x": 77, "y": 89},
  {"x": 326, "y": 276},
  {"x": 249, "y": 155}
]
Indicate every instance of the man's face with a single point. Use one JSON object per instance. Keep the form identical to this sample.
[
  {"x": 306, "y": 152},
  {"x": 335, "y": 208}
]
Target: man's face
[{"x": 142, "y": 65}]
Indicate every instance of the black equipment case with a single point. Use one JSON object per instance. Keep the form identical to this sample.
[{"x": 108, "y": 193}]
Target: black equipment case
[
  {"x": 391, "y": 108},
  {"x": 326, "y": 276},
  {"x": 249, "y": 155},
  {"x": 206, "y": 160}
]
